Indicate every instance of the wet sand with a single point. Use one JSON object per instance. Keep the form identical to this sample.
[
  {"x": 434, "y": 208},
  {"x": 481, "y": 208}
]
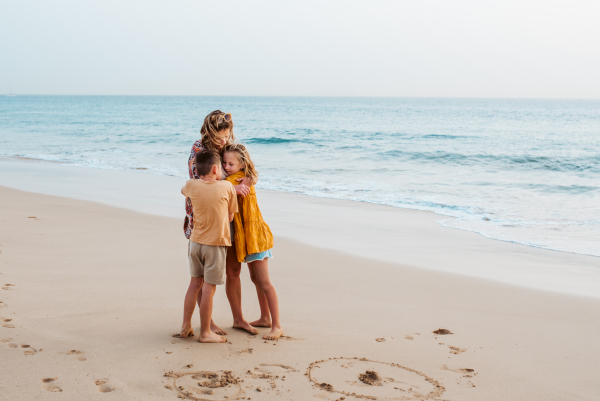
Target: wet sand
[{"x": 92, "y": 294}]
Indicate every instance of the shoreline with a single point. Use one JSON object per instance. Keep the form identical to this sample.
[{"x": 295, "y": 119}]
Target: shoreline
[
  {"x": 96, "y": 292},
  {"x": 360, "y": 228},
  {"x": 443, "y": 222}
]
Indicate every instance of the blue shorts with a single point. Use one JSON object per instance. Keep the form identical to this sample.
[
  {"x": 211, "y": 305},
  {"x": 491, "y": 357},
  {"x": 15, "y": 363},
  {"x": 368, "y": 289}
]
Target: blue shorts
[{"x": 253, "y": 257}]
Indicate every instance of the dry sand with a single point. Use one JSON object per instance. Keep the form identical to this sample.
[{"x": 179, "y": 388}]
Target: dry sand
[{"x": 91, "y": 295}]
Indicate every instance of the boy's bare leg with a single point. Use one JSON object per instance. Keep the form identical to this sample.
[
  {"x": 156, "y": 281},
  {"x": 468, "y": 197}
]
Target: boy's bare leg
[
  {"x": 265, "y": 313},
  {"x": 261, "y": 269},
  {"x": 233, "y": 288},
  {"x": 206, "y": 306},
  {"x": 189, "y": 304},
  {"x": 213, "y": 326}
]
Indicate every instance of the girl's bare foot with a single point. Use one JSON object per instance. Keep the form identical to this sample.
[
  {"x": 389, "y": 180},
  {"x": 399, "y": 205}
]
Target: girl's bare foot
[
  {"x": 262, "y": 322},
  {"x": 211, "y": 338},
  {"x": 216, "y": 329},
  {"x": 274, "y": 334},
  {"x": 244, "y": 325},
  {"x": 187, "y": 332}
]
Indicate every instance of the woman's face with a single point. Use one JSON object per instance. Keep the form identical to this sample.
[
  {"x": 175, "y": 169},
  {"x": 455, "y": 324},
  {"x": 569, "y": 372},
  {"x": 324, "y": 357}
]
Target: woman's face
[{"x": 223, "y": 137}]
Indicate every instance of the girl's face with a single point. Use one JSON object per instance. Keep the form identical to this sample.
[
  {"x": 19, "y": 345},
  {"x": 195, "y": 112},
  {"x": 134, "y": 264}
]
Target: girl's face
[
  {"x": 231, "y": 164},
  {"x": 223, "y": 137}
]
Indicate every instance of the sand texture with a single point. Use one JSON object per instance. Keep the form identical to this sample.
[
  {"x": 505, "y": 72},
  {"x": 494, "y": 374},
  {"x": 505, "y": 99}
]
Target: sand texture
[{"x": 91, "y": 295}]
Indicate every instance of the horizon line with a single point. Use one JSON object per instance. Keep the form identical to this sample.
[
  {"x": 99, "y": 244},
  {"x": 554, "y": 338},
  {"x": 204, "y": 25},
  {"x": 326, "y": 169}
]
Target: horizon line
[{"x": 315, "y": 96}]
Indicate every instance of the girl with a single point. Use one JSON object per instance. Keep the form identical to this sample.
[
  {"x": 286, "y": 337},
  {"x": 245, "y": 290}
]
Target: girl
[{"x": 253, "y": 239}]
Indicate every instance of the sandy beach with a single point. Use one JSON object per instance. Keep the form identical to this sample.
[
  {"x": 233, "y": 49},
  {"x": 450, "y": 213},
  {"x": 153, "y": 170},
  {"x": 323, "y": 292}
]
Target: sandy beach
[{"x": 92, "y": 294}]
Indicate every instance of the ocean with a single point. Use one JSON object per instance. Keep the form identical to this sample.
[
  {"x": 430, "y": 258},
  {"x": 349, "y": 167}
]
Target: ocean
[{"x": 524, "y": 171}]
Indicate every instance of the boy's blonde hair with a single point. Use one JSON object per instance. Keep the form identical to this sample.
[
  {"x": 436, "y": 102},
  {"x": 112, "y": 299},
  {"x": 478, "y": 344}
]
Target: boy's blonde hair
[
  {"x": 244, "y": 157},
  {"x": 214, "y": 123}
]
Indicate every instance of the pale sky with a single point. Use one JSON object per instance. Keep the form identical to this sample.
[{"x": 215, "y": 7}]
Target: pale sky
[{"x": 522, "y": 48}]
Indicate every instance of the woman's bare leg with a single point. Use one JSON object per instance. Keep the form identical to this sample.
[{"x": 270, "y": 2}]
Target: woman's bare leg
[
  {"x": 233, "y": 288},
  {"x": 265, "y": 313},
  {"x": 261, "y": 269}
]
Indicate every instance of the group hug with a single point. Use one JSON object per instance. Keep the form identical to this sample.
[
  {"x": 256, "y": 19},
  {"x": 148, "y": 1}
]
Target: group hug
[{"x": 225, "y": 228}]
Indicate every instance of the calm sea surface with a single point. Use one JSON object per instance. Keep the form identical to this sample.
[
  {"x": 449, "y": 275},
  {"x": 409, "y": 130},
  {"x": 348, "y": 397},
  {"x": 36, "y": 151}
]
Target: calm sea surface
[{"x": 526, "y": 171}]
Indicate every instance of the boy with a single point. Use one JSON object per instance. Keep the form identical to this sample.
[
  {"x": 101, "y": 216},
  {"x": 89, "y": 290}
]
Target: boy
[{"x": 214, "y": 202}]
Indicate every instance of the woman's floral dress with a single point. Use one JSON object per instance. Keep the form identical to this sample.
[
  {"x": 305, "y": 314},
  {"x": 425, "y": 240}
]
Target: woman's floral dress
[{"x": 188, "y": 223}]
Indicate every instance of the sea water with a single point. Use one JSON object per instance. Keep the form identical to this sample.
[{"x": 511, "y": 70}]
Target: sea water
[{"x": 525, "y": 171}]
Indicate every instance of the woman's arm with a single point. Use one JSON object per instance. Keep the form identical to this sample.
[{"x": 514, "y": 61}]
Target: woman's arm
[
  {"x": 196, "y": 147},
  {"x": 248, "y": 181}
]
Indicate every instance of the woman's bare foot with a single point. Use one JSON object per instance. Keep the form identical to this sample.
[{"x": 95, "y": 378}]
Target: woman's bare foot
[
  {"x": 261, "y": 322},
  {"x": 187, "y": 332},
  {"x": 216, "y": 329},
  {"x": 244, "y": 325},
  {"x": 211, "y": 338},
  {"x": 274, "y": 334}
]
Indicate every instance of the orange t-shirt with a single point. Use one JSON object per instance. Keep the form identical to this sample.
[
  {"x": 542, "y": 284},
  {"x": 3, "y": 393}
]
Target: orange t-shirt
[{"x": 212, "y": 202}]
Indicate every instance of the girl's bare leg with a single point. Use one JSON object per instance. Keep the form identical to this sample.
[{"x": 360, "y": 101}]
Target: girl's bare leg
[
  {"x": 261, "y": 269},
  {"x": 265, "y": 313},
  {"x": 233, "y": 288}
]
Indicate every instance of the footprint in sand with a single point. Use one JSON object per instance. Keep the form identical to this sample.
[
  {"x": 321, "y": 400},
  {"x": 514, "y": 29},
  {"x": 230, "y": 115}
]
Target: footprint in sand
[
  {"x": 364, "y": 378},
  {"x": 7, "y": 286},
  {"x": 198, "y": 385},
  {"x": 103, "y": 386},
  {"x": 274, "y": 369},
  {"x": 28, "y": 349},
  {"x": 456, "y": 350},
  {"x": 79, "y": 354},
  {"x": 6, "y": 340},
  {"x": 468, "y": 372},
  {"x": 244, "y": 351},
  {"x": 51, "y": 385}
]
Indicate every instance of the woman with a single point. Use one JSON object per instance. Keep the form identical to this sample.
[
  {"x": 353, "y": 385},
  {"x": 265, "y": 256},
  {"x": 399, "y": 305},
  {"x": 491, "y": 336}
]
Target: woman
[{"x": 216, "y": 132}]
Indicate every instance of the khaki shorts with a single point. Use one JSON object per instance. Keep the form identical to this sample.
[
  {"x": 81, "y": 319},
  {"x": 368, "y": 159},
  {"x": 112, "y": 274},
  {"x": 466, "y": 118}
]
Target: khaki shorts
[{"x": 207, "y": 261}]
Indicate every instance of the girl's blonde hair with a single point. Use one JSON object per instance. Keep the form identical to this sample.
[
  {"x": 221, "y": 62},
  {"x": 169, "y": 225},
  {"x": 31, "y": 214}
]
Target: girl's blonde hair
[
  {"x": 214, "y": 123},
  {"x": 244, "y": 157}
]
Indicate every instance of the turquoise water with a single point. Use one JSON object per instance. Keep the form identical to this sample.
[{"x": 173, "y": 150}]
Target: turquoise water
[{"x": 526, "y": 171}]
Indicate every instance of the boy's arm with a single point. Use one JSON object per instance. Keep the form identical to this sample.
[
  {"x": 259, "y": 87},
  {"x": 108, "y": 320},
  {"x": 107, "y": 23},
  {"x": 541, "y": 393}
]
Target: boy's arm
[{"x": 231, "y": 217}]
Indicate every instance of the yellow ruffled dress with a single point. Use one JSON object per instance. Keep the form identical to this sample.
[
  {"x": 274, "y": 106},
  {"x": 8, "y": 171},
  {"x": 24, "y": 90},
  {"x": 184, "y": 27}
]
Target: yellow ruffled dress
[{"x": 252, "y": 234}]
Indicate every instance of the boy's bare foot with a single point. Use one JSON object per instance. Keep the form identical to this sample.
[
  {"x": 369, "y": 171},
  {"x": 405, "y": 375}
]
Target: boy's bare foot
[
  {"x": 211, "y": 338},
  {"x": 216, "y": 329},
  {"x": 274, "y": 334},
  {"x": 187, "y": 332},
  {"x": 261, "y": 323},
  {"x": 244, "y": 325}
]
